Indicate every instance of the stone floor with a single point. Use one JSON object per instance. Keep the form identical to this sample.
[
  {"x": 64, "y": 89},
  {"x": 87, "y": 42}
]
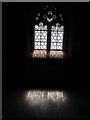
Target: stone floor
[{"x": 74, "y": 105}]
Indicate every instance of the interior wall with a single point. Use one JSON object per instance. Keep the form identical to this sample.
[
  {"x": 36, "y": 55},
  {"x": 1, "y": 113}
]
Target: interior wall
[{"x": 20, "y": 71}]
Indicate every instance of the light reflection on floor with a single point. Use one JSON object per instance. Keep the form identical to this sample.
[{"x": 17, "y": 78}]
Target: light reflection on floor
[
  {"x": 43, "y": 99},
  {"x": 47, "y": 95},
  {"x": 44, "y": 104}
]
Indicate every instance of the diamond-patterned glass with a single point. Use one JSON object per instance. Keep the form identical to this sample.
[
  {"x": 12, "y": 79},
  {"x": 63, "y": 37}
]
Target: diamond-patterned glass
[
  {"x": 40, "y": 36},
  {"x": 56, "y": 37}
]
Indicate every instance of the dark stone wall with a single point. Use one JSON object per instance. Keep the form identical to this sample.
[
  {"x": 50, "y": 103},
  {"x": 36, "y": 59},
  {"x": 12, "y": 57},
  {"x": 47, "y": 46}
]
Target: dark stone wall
[{"x": 19, "y": 71}]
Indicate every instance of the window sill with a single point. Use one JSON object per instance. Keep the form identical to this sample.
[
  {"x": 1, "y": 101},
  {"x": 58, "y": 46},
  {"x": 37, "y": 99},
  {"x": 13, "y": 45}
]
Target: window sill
[{"x": 43, "y": 54}]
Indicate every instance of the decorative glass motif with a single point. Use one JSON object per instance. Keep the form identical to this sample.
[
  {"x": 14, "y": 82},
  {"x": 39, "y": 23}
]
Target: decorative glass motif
[
  {"x": 50, "y": 13},
  {"x": 37, "y": 18},
  {"x": 60, "y": 15},
  {"x": 57, "y": 34},
  {"x": 40, "y": 37},
  {"x": 62, "y": 19},
  {"x": 45, "y": 27},
  {"x": 39, "y": 54},
  {"x": 62, "y": 28},
  {"x": 49, "y": 19},
  {"x": 54, "y": 16},
  {"x": 56, "y": 54},
  {"x": 53, "y": 28},
  {"x": 44, "y": 16},
  {"x": 40, "y": 41},
  {"x": 38, "y": 14}
]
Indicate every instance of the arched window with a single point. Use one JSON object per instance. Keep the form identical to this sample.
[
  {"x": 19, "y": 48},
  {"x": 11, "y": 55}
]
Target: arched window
[{"x": 49, "y": 34}]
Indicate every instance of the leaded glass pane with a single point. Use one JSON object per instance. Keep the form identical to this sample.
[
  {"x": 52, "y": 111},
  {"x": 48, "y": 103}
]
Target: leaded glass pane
[
  {"x": 37, "y": 35},
  {"x": 43, "y": 34},
  {"x": 40, "y": 37},
  {"x": 36, "y": 27},
  {"x": 41, "y": 28},
  {"x": 40, "y": 24},
  {"x": 59, "y": 46},
  {"x": 43, "y": 45},
  {"x": 37, "y": 45},
  {"x": 62, "y": 28},
  {"x": 57, "y": 37},
  {"x": 53, "y": 34},
  {"x": 56, "y": 54},
  {"x": 39, "y": 54},
  {"x": 61, "y": 38},
  {"x": 45, "y": 27},
  {"x": 53, "y": 27},
  {"x": 57, "y": 25},
  {"x": 40, "y": 41},
  {"x": 53, "y": 45}
]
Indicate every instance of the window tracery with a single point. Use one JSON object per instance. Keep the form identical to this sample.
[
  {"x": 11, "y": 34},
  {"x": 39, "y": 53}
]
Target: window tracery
[{"x": 41, "y": 35}]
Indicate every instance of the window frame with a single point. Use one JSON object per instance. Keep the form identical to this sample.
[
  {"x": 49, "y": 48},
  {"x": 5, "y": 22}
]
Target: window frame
[{"x": 48, "y": 39}]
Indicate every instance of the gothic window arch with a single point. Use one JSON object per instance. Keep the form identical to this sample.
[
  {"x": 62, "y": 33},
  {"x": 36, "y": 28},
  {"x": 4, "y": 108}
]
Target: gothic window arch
[{"x": 48, "y": 34}]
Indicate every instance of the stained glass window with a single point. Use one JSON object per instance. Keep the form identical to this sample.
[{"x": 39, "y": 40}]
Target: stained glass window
[
  {"x": 39, "y": 54},
  {"x": 48, "y": 43},
  {"x": 57, "y": 37},
  {"x": 56, "y": 54},
  {"x": 40, "y": 40},
  {"x": 56, "y": 45},
  {"x": 40, "y": 37}
]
